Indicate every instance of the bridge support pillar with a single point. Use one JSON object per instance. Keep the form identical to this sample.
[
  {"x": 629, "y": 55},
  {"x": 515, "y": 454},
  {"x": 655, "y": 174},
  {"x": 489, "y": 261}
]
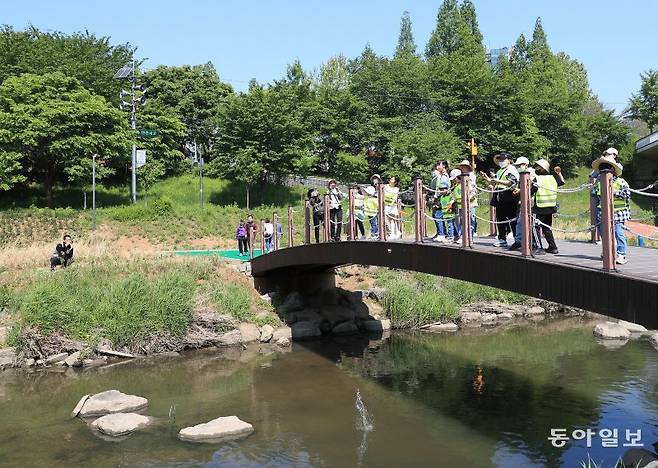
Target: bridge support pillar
[{"x": 284, "y": 283}]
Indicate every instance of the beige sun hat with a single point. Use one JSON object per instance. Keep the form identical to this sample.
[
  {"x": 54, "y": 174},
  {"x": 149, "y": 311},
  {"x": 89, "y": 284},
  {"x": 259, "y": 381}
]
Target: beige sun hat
[
  {"x": 611, "y": 152},
  {"x": 466, "y": 163},
  {"x": 617, "y": 168},
  {"x": 543, "y": 164}
]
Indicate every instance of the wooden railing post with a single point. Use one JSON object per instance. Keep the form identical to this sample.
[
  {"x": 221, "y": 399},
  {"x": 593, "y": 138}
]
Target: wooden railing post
[
  {"x": 290, "y": 227},
  {"x": 493, "y": 227},
  {"x": 525, "y": 214},
  {"x": 381, "y": 212},
  {"x": 351, "y": 218},
  {"x": 607, "y": 220},
  {"x": 399, "y": 220},
  {"x": 308, "y": 220},
  {"x": 275, "y": 233},
  {"x": 262, "y": 237},
  {"x": 252, "y": 239},
  {"x": 465, "y": 212},
  {"x": 326, "y": 232},
  {"x": 419, "y": 213},
  {"x": 423, "y": 204}
]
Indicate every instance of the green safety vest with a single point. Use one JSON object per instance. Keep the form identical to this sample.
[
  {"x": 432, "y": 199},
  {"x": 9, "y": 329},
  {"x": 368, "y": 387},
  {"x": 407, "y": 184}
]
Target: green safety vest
[
  {"x": 390, "y": 195},
  {"x": 457, "y": 192},
  {"x": 359, "y": 204},
  {"x": 370, "y": 206},
  {"x": 445, "y": 202},
  {"x": 618, "y": 204},
  {"x": 502, "y": 174},
  {"x": 546, "y": 195}
]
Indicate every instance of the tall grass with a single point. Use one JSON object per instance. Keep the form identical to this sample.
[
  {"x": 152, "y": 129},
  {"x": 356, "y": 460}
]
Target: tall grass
[{"x": 415, "y": 299}]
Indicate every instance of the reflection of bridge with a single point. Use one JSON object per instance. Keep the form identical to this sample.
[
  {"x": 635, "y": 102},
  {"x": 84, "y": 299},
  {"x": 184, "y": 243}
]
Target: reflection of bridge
[{"x": 576, "y": 277}]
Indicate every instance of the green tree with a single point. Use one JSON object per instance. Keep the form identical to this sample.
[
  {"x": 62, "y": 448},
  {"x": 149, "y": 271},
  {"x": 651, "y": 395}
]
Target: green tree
[
  {"x": 351, "y": 168},
  {"x": 55, "y": 124},
  {"x": 92, "y": 60},
  {"x": 519, "y": 55},
  {"x": 417, "y": 147},
  {"x": 644, "y": 105},
  {"x": 469, "y": 16},
  {"x": 538, "y": 48},
  {"x": 406, "y": 45},
  {"x": 10, "y": 166},
  {"x": 444, "y": 38},
  {"x": 193, "y": 94}
]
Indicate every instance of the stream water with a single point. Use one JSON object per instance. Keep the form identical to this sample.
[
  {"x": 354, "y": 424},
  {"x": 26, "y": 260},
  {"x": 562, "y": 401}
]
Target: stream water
[{"x": 473, "y": 399}]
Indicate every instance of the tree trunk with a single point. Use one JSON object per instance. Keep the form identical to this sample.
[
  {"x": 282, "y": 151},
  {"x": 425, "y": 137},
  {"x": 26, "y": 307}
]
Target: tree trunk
[{"x": 48, "y": 185}]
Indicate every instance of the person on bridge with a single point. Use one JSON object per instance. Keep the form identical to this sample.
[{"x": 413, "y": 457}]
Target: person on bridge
[
  {"x": 370, "y": 210},
  {"x": 335, "y": 210},
  {"x": 447, "y": 204},
  {"x": 620, "y": 202},
  {"x": 359, "y": 213},
  {"x": 504, "y": 199},
  {"x": 316, "y": 205},
  {"x": 439, "y": 177},
  {"x": 391, "y": 192},
  {"x": 544, "y": 187}
]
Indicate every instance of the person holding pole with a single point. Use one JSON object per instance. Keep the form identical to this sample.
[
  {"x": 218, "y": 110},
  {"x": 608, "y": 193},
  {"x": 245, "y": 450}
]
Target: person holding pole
[
  {"x": 504, "y": 199},
  {"x": 370, "y": 210}
]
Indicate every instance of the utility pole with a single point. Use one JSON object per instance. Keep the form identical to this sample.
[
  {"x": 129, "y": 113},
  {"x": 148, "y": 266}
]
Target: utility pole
[{"x": 129, "y": 72}]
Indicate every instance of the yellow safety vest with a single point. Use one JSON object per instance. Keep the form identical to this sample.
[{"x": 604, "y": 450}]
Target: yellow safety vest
[
  {"x": 359, "y": 203},
  {"x": 502, "y": 174},
  {"x": 445, "y": 202},
  {"x": 618, "y": 204},
  {"x": 390, "y": 195},
  {"x": 370, "y": 206},
  {"x": 546, "y": 195}
]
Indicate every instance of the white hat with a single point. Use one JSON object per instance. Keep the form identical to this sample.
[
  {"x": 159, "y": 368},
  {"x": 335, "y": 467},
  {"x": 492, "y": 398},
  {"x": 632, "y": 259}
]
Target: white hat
[
  {"x": 375, "y": 176},
  {"x": 543, "y": 164},
  {"x": 467, "y": 163},
  {"x": 455, "y": 173},
  {"x": 617, "y": 168},
  {"x": 611, "y": 151},
  {"x": 370, "y": 190},
  {"x": 521, "y": 160}
]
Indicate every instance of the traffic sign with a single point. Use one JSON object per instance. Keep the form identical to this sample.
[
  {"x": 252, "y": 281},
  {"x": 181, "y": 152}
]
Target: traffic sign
[{"x": 145, "y": 132}]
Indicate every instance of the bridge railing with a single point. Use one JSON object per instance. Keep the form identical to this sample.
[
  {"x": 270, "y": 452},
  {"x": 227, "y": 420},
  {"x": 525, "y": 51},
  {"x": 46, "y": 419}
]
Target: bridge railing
[{"x": 601, "y": 216}]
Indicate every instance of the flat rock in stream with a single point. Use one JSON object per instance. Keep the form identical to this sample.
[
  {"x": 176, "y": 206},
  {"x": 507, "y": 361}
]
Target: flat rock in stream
[
  {"x": 633, "y": 327},
  {"x": 112, "y": 401},
  {"x": 654, "y": 340},
  {"x": 224, "y": 428},
  {"x": 120, "y": 424},
  {"x": 7, "y": 357},
  {"x": 443, "y": 327},
  {"x": 611, "y": 331}
]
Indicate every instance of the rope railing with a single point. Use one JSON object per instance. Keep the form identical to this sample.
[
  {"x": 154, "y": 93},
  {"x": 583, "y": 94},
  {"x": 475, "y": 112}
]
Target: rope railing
[
  {"x": 507, "y": 221},
  {"x": 567, "y": 231},
  {"x": 571, "y": 215},
  {"x": 639, "y": 235},
  {"x": 644, "y": 194},
  {"x": 480, "y": 189}
]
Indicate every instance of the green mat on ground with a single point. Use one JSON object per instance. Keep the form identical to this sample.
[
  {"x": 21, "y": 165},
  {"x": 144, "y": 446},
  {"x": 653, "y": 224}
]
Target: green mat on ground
[{"x": 229, "y": 254}]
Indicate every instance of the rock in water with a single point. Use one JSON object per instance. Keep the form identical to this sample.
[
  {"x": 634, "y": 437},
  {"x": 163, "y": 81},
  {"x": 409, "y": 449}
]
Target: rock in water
[
  {"x": 345, "y": 328},
  {"x": 7, "y": 357},
  {"x": 73, "y": 360},
  {"x": 611, "y": 331},
  {"x": 292, "y": 302},
  {"x": 56, "y": 358},
  {"x": 654, "y": 340},
  {"x": 112, "y": 401},
  {"x": 535, "y": 310},
  {"x": 282, "y": 332},
  {"x": 305, "y": 330},
  {"x": 229, "y": 427},
  {"x": 248, "y": 332},
  {"x": 443, "y": 327},
  {"x": 266, "y": 333},
  {"x": 120, "y": 424},
  {"x": 79, "y": 406},
  {"x": 376, "y": 325},
  {"x": 283, "y": 342},
  {"x": 632, "y": 327}
]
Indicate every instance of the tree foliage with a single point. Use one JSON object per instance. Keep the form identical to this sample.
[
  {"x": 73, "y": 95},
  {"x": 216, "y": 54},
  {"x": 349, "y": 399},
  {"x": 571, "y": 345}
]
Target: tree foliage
[
  {"x": 644, "y": 105},
  {"x": 406, "y": 44},
  {"x": 55, "y": 124}
]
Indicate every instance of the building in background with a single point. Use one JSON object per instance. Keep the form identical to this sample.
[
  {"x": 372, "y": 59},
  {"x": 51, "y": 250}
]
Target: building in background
[
  {"x": 493, "y": 55},
  {"x": 645, "y": 162}
]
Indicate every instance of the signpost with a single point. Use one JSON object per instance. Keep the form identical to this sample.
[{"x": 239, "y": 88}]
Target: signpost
[
  {"x": 140, "y": 158},
  {"x": 147, "y": 132}
]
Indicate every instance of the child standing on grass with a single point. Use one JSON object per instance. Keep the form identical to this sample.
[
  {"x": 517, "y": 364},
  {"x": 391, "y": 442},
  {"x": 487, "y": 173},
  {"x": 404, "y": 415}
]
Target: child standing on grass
[{"x": 241, "y": 236}]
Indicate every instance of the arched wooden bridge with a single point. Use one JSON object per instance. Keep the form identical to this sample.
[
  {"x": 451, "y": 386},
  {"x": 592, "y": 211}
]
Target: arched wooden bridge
[{"x": 574, "y": 277}]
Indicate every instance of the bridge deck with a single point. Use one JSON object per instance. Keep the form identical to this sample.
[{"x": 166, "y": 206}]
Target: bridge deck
[{"x": 574, "y": 277}]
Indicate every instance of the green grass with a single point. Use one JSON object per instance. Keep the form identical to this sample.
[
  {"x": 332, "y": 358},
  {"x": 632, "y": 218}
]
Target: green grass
[
  {"x": 126, "y": 302},
  {"x": 416, "y": 299}
]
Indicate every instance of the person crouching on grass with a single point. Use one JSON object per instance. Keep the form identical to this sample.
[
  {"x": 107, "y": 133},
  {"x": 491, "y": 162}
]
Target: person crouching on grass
[{"x": 63, "y": 254}]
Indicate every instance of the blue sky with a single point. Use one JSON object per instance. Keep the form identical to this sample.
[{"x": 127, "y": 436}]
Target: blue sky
[{"x": 258, "y": 38}]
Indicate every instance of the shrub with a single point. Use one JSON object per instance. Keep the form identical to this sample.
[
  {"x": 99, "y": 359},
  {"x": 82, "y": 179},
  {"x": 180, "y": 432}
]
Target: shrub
[{"x": 232, "y": 299}]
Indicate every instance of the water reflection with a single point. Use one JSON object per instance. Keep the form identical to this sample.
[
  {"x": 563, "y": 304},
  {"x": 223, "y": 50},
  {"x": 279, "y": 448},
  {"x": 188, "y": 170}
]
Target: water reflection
[{"x": 478, "y": 399}]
